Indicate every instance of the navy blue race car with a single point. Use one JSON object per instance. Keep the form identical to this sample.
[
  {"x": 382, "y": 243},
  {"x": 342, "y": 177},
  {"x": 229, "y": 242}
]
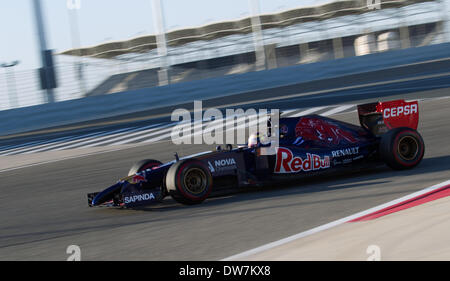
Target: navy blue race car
[{"x": 309, "y": 145}]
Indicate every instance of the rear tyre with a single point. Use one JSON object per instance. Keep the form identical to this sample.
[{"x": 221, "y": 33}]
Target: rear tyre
[
  {"x": 402, "y": 148},
  {"x": 143, "y": 165},
  {"x": 189, "y": 182}
]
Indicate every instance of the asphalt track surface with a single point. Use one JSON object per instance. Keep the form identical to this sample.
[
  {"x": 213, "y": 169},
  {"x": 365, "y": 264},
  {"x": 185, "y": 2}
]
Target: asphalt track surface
[{"x": 44, "y": 208}]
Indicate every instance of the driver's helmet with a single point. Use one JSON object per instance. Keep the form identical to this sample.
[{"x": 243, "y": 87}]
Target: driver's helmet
[{"x": 255, "y": 140}]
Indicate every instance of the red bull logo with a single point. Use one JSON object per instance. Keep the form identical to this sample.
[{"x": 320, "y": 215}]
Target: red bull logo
[
  {"x": 136, "y": 179},
  {"x": 286, "y": 162},
  {"x": 316, "y": 129}
]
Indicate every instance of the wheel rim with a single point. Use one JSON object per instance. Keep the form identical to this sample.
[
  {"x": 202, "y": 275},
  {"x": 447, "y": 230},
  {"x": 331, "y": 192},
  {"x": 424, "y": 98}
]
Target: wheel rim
[
  {"x": 195, "y": 181},
  {"x": 408, "y": 147}
]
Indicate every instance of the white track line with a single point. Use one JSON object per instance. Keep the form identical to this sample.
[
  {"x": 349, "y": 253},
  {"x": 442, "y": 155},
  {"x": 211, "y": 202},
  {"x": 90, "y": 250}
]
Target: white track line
[
  {"x": 159, "y": 132},
  {"x": 308, "y": 111},
  {"x": 42, "y": 144},
  {"x": 62, "y": 141},
  {"x": 125, "y": 139},
  {"x": 117, "y": 134},
  {"x": 167, "y": 132},
  {"x": 45, "y": 146},
  {"x": 337, "y": 109},
  {"x": 210, "y": 127},
  {"x": 193, "y": 126},
  {"x": 334, "y": 223},
  {"x": 30, "y": 145},
  {"x": 121, "y": 139},
  {"x": 222, "y": 123},
  {"x": 287, "y": 112},
  {"x": 125, "y": 135},
  {"x": 77, "y": 141},
  {"x": 17, "y": 146},
  {"x": 143, "y": 137}
]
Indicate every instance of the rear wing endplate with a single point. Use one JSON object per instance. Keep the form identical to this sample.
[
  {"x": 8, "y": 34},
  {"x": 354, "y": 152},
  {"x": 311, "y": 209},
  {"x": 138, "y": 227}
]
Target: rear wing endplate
[{"x": 380, "y": 117}]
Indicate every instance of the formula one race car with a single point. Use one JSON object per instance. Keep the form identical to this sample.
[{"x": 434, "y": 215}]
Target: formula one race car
[{"x": 308, "y": 146}]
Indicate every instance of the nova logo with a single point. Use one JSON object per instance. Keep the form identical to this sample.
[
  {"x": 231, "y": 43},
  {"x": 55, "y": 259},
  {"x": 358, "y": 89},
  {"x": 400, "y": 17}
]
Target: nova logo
[
  {"x": 287, "y": 163},
  {"x": 139, "y": 198},
  {"x": 224, "y": 162}
]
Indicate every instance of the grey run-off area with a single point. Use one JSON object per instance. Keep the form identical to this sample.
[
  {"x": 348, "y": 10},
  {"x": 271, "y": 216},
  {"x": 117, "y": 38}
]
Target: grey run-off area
[{"x": 47, "y": 209}]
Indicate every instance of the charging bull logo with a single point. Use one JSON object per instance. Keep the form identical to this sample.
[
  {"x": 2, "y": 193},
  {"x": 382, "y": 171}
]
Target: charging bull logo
[
  {"x": 288, "y": 163},
  {"x": 316, "y": 129},
  {"x": 136, "y": 179}
]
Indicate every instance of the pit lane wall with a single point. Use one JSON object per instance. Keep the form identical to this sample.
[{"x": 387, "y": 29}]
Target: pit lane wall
[{"x": 399, "y": 64}]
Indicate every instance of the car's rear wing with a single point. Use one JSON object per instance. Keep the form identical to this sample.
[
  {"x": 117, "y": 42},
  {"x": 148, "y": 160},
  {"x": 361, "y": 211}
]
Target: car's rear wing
[{"x": 380, "y": 117}]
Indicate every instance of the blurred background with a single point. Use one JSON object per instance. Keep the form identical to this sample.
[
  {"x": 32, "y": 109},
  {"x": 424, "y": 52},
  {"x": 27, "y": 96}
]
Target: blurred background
[{"x": 56, "y": 51}]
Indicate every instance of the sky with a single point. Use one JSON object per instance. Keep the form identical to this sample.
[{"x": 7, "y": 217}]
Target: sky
[{"x": 101, "y": 21}]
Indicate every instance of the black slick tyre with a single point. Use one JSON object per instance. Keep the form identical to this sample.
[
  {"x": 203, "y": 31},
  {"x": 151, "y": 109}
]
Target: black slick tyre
[
  {"x": 402, "y": 148},
  {"x": 189, "y": 181}
]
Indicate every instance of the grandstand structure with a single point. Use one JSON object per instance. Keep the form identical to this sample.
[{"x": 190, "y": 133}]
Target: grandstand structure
[{"x": 303, "y": 35}]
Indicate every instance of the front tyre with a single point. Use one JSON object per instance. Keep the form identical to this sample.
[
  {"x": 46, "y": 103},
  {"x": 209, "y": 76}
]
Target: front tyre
[
  {"x": 143, "y": 165},
  {"x": 402, "y": 148},
  {"x": 189, "y": 181}
]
